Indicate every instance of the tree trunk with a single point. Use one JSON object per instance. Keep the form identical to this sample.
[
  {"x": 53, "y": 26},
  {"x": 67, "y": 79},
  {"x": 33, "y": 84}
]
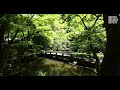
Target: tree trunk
[
  {"x": 97, "y": 64},
  {"x": 1, "y": 47},
  {"x": 1, "y": 36},
  {"x": 111, "y": 62}
]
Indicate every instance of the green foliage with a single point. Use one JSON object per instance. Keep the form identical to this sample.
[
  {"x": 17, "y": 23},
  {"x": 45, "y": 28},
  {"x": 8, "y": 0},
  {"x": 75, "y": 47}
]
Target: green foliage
[
  {"x": 42, "y": 41},
  {"x": 79, "y": 38},
  {"x": 26, "y": 35}
]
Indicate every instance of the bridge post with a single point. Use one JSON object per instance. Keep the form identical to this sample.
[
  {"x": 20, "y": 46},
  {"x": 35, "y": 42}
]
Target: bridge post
[
  {"x": 51, "y": 55},
  {"x": 56, "y": 55},
  {"x": 70, "y": 58},
  {"x": 45, "y": 54},
  {"x": 62, "y": 55}
]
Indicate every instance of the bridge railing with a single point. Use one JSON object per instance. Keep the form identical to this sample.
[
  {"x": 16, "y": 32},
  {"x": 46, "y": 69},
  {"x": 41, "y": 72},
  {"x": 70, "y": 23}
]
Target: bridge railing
[{"x": 60, "y": 52}]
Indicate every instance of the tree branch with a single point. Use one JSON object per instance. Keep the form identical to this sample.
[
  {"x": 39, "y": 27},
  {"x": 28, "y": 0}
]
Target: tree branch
[
  {"x": 95, "y": 15},
  {"x": 83, "y": 22},
  {"x": 24, "y": 38},
  {"x": 30, "y": 19},
  {"x": 96, "y": 57},
  {"x": 91, "y": 46},
  {"x": 22, "y": 33},
  {"x": 29, "y": 23},
  {"x": 13, "y": 38},
  {"x": 32, "y": 16},
  {"x": 95, "y": 22}
]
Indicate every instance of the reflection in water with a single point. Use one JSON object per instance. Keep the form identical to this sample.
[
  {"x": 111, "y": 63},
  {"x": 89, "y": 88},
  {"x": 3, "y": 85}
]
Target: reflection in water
[{"x": 49, "y": 67}]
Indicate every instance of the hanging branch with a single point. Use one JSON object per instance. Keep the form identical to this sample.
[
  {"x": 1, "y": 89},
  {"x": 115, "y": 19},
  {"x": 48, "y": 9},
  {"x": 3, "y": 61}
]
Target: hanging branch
[{"x": 24, "y": 38}]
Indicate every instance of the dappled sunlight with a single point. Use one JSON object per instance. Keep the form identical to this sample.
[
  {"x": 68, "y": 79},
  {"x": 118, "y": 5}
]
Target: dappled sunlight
[{"x": 51, "y": 44}]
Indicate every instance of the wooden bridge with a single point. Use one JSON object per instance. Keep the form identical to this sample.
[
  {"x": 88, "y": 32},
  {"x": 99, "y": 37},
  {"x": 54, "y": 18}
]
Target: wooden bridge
[{"x": 65, "y": 56}]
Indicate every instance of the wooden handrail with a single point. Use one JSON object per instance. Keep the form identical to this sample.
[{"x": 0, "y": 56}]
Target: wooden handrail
[{"x": 59, "y": 51}]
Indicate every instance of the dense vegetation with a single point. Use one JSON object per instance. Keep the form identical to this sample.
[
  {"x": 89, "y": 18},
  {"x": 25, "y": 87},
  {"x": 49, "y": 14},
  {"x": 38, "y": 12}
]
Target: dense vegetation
[{"x": 23, "y": 37}]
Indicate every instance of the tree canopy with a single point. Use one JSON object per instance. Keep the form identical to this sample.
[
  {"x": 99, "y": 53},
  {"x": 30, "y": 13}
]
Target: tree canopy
[{"x": 24, "y": 36}]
